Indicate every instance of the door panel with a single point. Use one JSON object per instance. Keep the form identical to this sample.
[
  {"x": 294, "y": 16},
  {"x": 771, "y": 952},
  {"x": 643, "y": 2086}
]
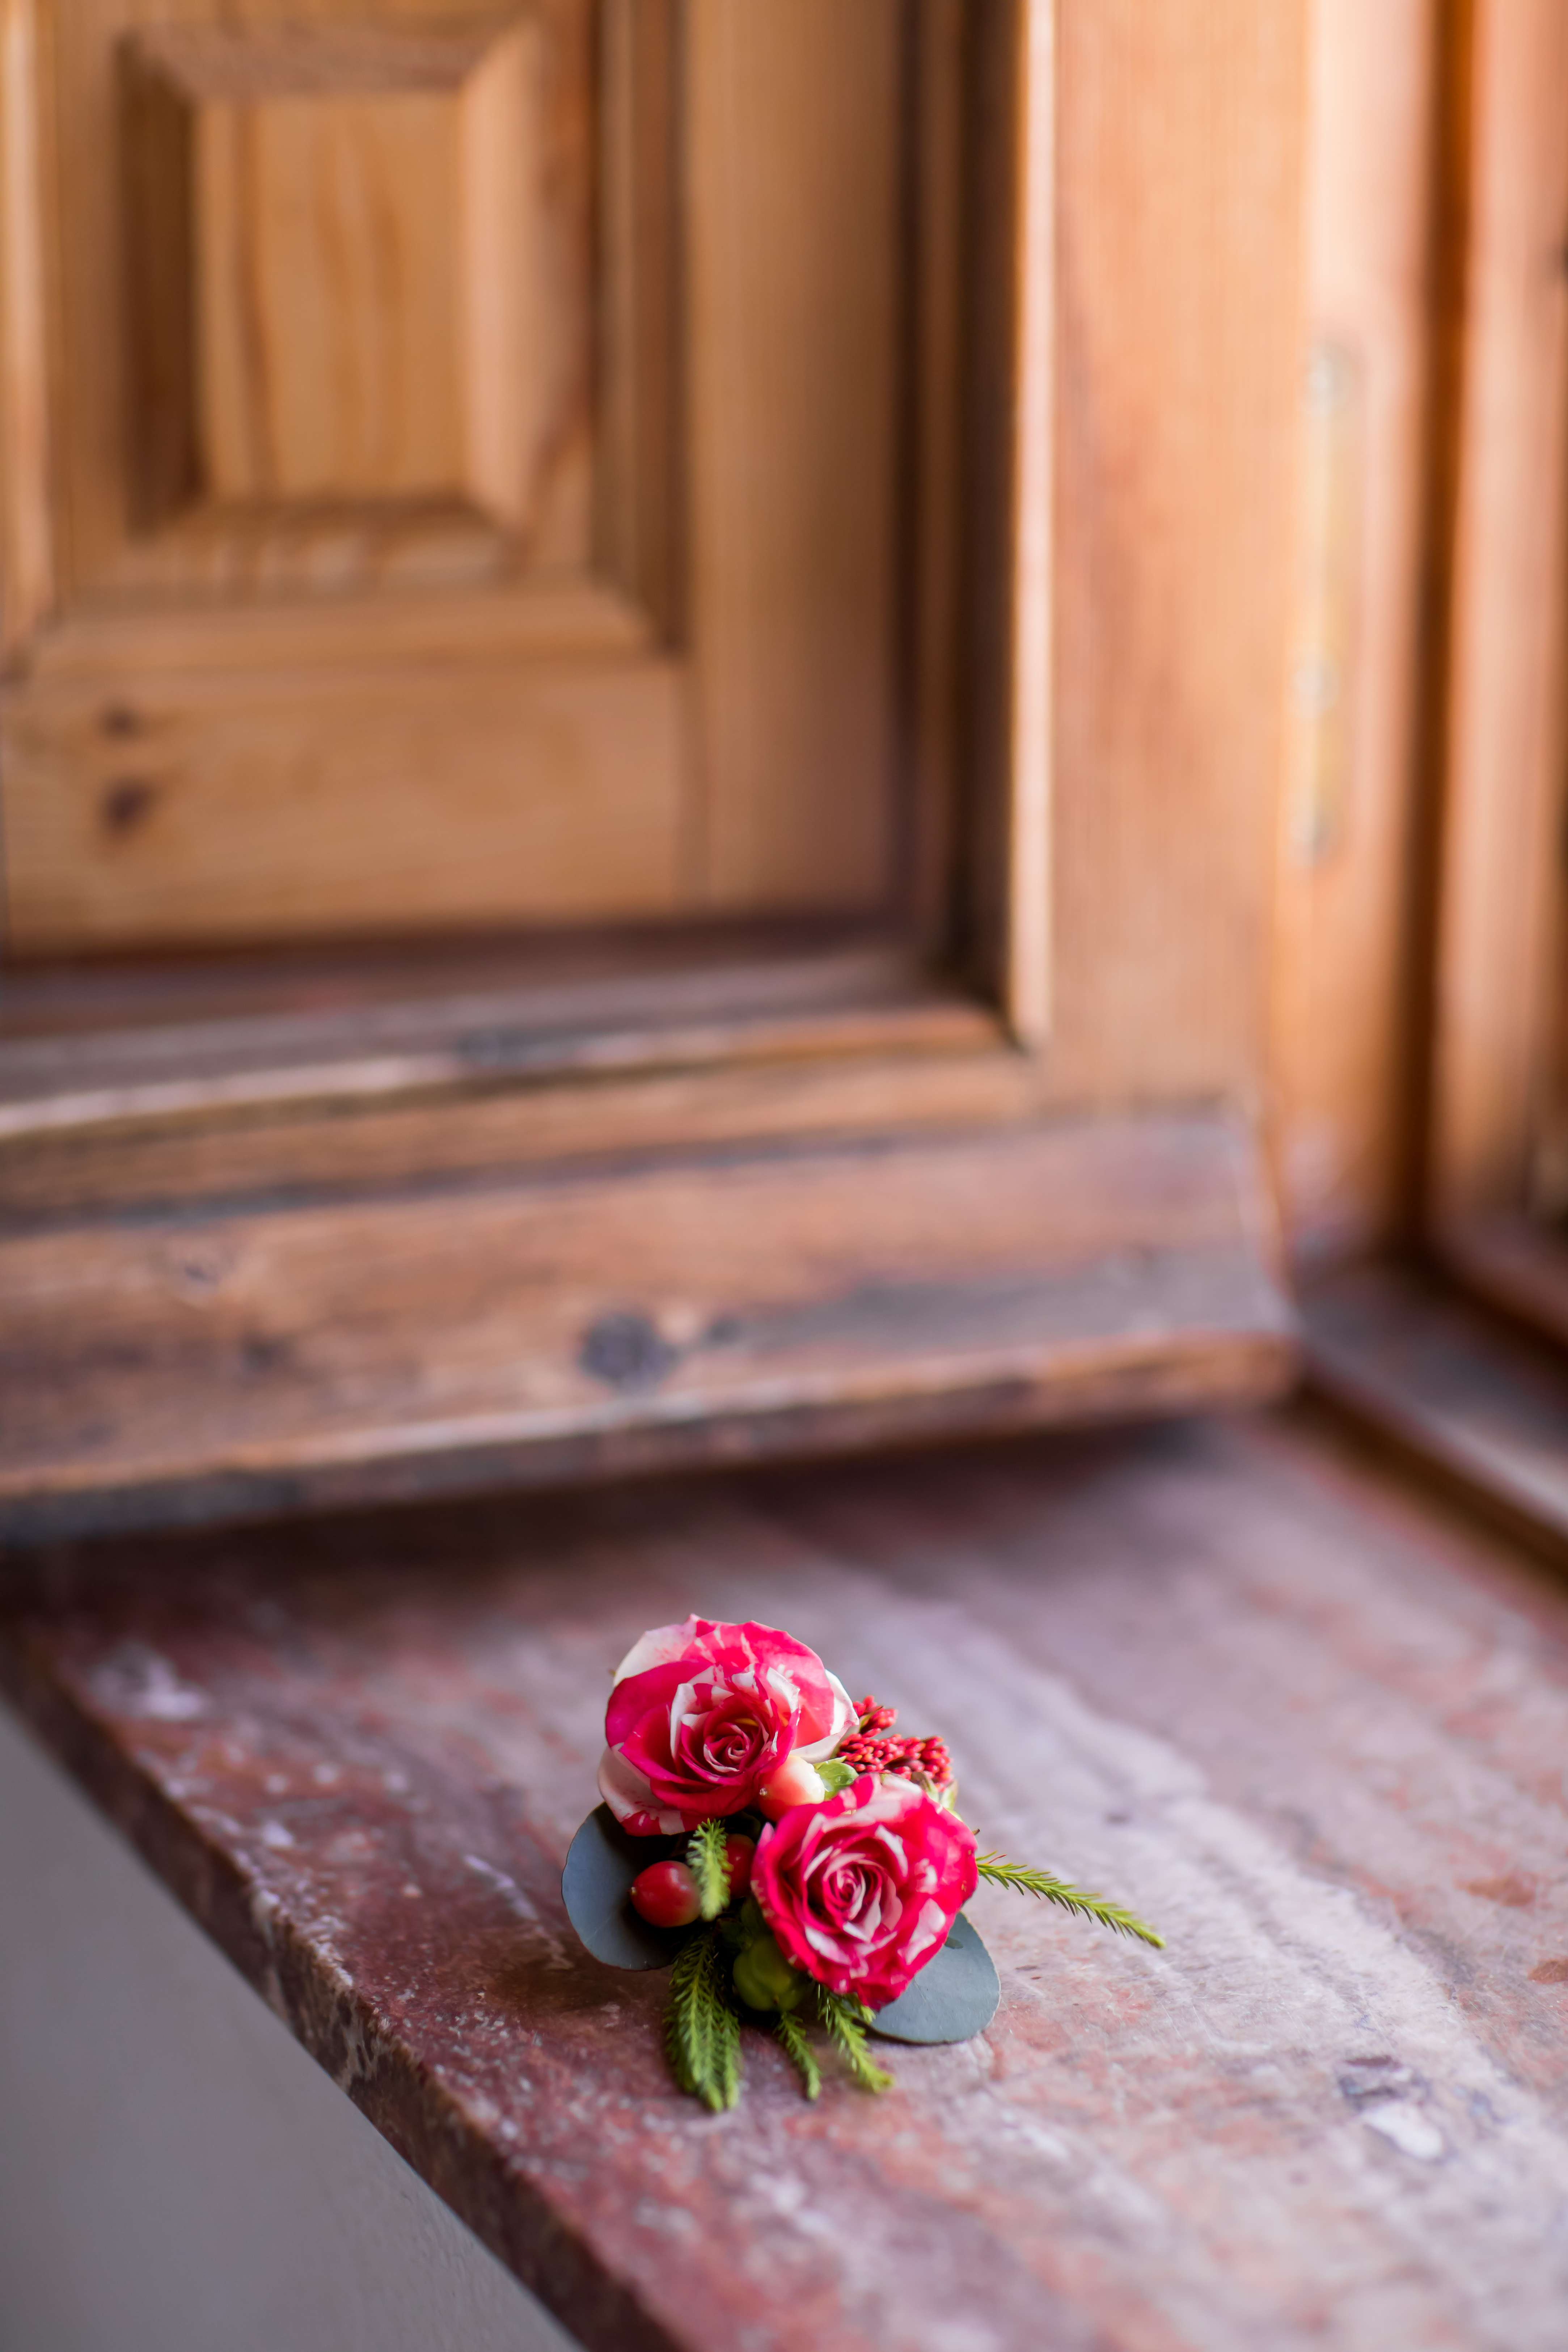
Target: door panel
[{"x": 474, "y": 459}]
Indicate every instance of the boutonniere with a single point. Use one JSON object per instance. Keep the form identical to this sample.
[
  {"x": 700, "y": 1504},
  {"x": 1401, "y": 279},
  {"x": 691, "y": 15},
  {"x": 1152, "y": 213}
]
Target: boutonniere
[{"x": 789, "y": 1858}]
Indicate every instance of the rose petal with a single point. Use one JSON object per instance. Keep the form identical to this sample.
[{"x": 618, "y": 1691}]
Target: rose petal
[
  {"x": 814, "y": 1743},
  {"x": 658, "y": 1648},
  {"x": 629, "y": 1796}
]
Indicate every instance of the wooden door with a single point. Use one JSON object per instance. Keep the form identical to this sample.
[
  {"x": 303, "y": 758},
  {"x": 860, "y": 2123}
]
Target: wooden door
[
  {"x": 907, "y": 394},
  {"x": 452, "y": 464}
]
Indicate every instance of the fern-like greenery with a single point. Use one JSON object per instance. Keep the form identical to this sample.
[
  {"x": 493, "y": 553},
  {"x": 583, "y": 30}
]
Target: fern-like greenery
[
  {"x": 847, "y": 2020},
  {"x": 708, "y": 1862},
  {"x": 792, "y": 2035},
  {"x": 701, "y": 2032},
  {"x": 1001, "y": 1872}
]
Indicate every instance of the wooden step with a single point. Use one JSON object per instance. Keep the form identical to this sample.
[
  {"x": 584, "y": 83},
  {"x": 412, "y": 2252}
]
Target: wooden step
[
  {"x": 1474, "y": 1399},
  {"x": 601, "y": 1319}
]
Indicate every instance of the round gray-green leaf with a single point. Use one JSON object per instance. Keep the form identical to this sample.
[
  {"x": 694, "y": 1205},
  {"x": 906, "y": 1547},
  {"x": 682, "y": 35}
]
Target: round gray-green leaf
[{"x": 954, "y": 1998}]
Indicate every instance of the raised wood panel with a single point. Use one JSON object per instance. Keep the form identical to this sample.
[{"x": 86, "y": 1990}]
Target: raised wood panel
[
  {"x": 377, "y": 342},
  {"x": 313, "y": 383},
  {"x": 372, "y": 312},
  {"x": 300, "y": 802},
  {"x": 357, "y": 259}
]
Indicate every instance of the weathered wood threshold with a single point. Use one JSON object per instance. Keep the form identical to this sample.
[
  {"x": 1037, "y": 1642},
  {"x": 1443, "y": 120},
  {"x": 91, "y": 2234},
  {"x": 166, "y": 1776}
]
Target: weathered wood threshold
[{"x": 590, "y": 1321}]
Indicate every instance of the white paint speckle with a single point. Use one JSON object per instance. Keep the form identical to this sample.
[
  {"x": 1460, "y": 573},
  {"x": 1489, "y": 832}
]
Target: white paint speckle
[
  {"x": 134, "y": 1680},
  {"x": 1407, "y": 2129},
  {"x": 274, "y": 1834}
]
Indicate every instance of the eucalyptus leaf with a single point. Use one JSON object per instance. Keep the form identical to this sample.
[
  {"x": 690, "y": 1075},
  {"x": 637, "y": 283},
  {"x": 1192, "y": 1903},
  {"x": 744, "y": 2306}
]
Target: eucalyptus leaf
[
  {"x": 954, "y": 1998},
  {"x": 595, "y": 1886}
]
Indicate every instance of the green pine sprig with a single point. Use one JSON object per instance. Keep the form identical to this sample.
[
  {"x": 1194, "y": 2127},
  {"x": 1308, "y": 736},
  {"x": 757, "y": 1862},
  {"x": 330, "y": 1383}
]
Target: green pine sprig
[
  {"x": 792, "y": 2035},
  {"x": 1001, "y": 1872},
  {"x": 847, "y": 2020},
  {"x": 701, "y": 2032},
  {"x": 708, "y": 1862}
]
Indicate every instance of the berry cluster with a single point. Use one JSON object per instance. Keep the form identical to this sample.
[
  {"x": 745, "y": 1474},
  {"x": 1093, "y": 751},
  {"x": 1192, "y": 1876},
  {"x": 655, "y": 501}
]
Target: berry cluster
[{"x": 869, "y": 1750}]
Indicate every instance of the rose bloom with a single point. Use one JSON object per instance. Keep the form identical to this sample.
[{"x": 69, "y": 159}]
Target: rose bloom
[
  {"x": 701, "y": 1715},
  {"x": 861, "y": 1890}
]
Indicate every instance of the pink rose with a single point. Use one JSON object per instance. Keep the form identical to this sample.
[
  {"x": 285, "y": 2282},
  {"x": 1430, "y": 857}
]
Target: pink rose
[
  {"x": 860, "y": 1891},
  {"x": 701, "y": 1715}
]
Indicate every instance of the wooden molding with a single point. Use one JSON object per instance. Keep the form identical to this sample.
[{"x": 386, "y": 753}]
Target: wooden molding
[
  {"x": 507, "y": 1072},
  {"x": 27, "y": 545},
  {"x": 346, "y": 247},
  {"x": 1027, "y": 993}
]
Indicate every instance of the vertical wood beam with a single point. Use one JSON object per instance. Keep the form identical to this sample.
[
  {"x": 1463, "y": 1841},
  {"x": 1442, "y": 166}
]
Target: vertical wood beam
[
  {"x": 1504, "y": 713},
  {"x": 1027, "y": 976},
  {"x": 27, "y": 581}
]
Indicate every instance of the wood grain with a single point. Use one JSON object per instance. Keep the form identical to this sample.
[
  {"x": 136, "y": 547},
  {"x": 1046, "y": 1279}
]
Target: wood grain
[
  {"x": 1310, "y": 1725},
  {"x": 1497, "y": 975},
  {"x": 591, "y": 1322},
  {"x": 336, "y": 801},
  {"x": 353, "y": 363}
]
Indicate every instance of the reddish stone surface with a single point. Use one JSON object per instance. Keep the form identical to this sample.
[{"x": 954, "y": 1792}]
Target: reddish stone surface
[{"x": 1313, "y": 1728}]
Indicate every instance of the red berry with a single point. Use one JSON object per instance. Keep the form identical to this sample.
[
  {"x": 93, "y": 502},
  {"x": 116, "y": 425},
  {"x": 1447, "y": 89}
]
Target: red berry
[
  {"x": 740, "y": 1852},
  {"x": 666, "y": 1895}
]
